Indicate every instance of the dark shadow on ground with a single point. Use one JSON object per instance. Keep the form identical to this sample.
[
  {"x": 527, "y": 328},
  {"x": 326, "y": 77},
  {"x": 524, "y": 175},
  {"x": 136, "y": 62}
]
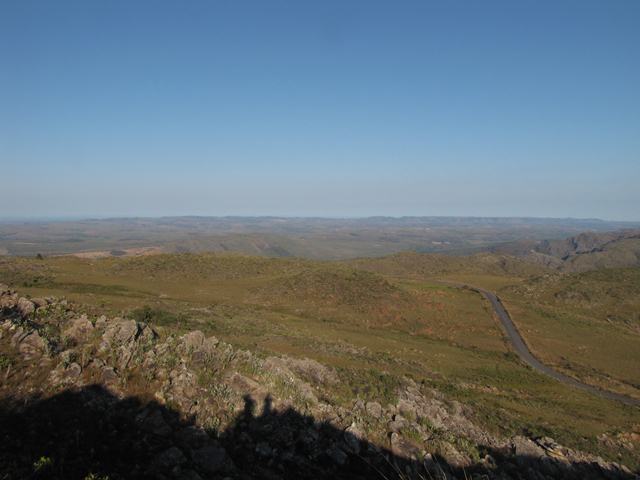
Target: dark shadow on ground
[{"x": 91, "y": 434}]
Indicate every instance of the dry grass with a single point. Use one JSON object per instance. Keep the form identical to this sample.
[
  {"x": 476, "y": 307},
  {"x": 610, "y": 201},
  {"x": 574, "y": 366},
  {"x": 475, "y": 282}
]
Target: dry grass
[{"x": 331, "y": 312}]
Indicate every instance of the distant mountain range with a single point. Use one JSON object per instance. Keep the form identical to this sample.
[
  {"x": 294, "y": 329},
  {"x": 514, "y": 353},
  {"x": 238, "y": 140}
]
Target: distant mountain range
[{"x": 318, "y": 238}]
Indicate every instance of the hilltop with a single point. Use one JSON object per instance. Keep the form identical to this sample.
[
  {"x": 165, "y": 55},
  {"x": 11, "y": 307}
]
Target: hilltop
[
  {"x": 192, "y": 406},
  {"x": 377, "y": 325}
]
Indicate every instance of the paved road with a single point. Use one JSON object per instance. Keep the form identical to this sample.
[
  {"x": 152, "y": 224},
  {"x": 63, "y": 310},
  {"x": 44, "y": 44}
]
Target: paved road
[{"x": 525, "y": 354}]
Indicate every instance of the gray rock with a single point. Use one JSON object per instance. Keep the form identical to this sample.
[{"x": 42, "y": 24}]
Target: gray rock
[
  {"x": 526, "y": 449},
  {"x": 194, "y": 340},
  {"x": 126, "y": 331},
  {"x": 32, "y": 346},
  {"x": 18, "y": 336},
  {"x": 39, "y": 302},
  {"x": 73, "y": 371},
  {"x": 397, "y": 424},
  {"x": 374, "y": 409},
  {"x": 123, "y": 332},
  {"x": 79, "y": 329},
  {"x": 311, "y": 369},
  {"x": 8, "y": 300},
  {"x": 109, "y": 375},
  {"x": 101, "y": 322},
  {"x": 25, "y": 307}
]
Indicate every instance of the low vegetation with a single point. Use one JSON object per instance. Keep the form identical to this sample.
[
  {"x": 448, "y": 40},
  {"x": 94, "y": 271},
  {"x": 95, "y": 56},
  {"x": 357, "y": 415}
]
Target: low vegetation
[{"x": 379, "y": 322}]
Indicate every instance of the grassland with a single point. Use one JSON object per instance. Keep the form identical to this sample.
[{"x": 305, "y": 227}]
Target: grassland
[
  {"x": 380, "y": 319},
  {"x": 587, "y": 324}
]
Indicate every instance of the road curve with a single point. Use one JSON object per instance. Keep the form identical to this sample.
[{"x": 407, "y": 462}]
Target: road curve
[{"x": 525, "y": 354}]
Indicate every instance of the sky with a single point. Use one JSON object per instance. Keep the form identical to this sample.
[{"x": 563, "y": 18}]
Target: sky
[{"x": 333, "y": 108}]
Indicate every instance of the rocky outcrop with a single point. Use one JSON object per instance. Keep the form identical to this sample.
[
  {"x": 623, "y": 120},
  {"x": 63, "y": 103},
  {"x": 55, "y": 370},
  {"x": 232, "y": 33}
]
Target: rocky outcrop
[
  {"x": 584, "y": 252},
  {"x": 214, "y": 411},
  {"x": 79, "y": 329}
]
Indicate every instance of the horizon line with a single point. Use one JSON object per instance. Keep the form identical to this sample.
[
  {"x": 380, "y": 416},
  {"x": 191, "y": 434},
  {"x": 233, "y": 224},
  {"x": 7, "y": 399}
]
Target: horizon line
[{"x": 67, "y": 218}]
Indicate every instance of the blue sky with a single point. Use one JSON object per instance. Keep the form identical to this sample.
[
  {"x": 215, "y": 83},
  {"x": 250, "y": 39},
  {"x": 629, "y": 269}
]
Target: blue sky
[{"x": 344, "y": 108}]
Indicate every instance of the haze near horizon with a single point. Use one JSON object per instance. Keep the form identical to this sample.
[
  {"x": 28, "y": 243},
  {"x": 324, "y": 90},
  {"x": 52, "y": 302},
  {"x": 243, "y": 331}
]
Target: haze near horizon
[{"x": 332, "y": 109}]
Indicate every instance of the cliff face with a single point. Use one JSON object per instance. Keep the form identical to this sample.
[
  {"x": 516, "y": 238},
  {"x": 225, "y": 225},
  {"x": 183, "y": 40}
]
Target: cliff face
[{"x": 96, "y": 397}]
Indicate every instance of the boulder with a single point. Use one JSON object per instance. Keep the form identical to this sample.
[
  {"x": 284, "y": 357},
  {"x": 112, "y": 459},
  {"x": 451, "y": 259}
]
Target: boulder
[
  {"x": 279, "y": 367},
  {"x": 39, "y": 302},
  {"x": 25, "y": 307},
  {"x": 101, "y": 322},
  {"x": 8, "y": 300},
  {"x": 454, "y": 457},
  {"x": 181, "y": 388},
  {"x": 374, "y": 409},
  {"x": 126, "y": 339},
  {"x": 73, "y": 371},
  {"x": 526, "y": 448},
  {"x": 193, "y": 341},
  {"x": 79, "y": 329},
  {"x": 109, "y": 375},
  {"x": 397, "y": 424},
  {"x": 32, "y": 346},
  {"x": 312, "y": 370},
  {"x": 246, "y": 386},
  {"x": 18, "y": 335},
  {"x": 125, "y": 331}
]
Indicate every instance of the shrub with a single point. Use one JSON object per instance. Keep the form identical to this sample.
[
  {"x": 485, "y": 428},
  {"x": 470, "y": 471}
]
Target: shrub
[
  {"x": 42, "y": 463},
  {"x": 158, "y": 316}
]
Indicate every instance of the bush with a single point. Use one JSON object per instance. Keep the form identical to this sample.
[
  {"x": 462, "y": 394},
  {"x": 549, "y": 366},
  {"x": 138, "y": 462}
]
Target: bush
[
  {"x": 5, "y": 362},
  {"x": 43, "y": 463},
  {"x": 158, "y": 316}
]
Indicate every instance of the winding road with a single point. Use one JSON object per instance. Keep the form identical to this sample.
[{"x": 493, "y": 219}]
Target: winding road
[{"x": 525, "y": 354}]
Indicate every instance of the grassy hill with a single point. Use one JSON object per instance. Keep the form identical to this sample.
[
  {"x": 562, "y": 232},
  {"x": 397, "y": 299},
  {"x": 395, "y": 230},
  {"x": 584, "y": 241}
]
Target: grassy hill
[
  {"x": 430, "y": 265},
  {"x": 390, "y": 316},
  {"x": 586, "y": 324}
]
